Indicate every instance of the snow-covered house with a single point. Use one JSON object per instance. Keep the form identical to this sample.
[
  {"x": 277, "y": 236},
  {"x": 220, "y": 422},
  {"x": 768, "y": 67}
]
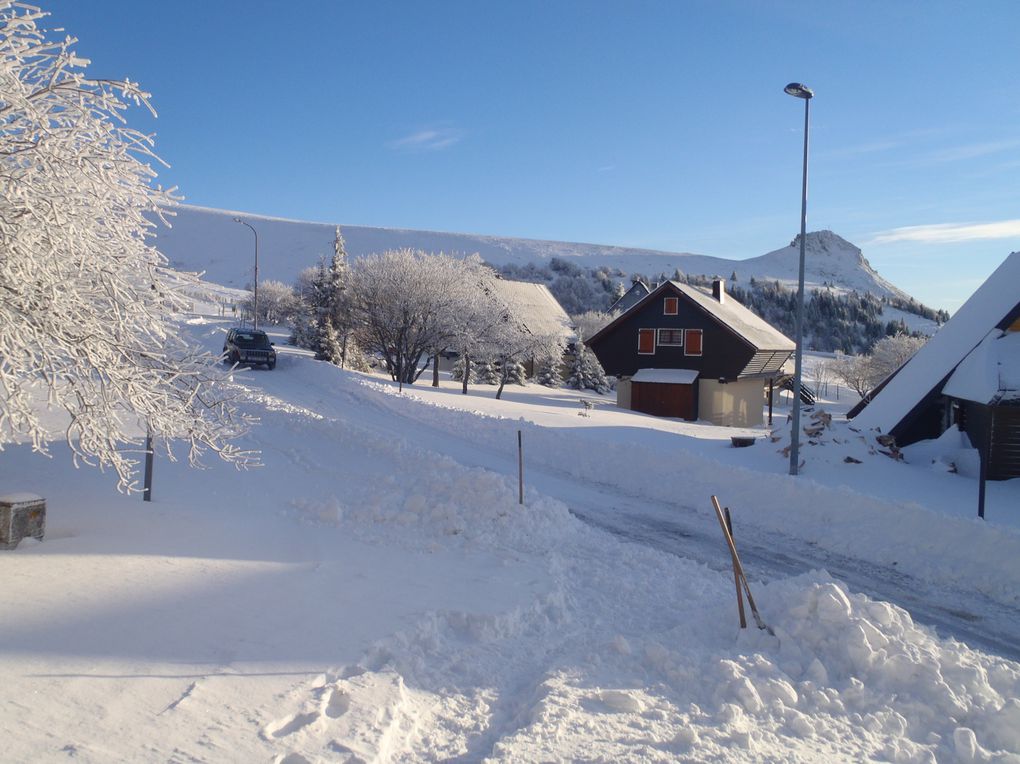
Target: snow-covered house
[
  {"x": 967, "y": 375},
  {"x": 534, "y": 306},
  {"x": 711, "y": 356}
]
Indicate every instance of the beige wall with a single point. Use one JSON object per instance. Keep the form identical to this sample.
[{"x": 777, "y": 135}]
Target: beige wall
[
  {"x": 623, "y": 393},
  {"x": 735, "y": 404}
]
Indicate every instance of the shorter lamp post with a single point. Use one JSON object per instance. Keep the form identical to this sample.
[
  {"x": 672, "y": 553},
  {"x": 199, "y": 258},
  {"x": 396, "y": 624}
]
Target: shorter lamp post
[
  {"x": 255, "y": 309},
  {"x": 806, "y": 94}
]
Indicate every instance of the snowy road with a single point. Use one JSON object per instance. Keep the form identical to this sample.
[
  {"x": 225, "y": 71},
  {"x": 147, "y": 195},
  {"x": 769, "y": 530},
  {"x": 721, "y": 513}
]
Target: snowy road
[{"x": 686, "y": 531}]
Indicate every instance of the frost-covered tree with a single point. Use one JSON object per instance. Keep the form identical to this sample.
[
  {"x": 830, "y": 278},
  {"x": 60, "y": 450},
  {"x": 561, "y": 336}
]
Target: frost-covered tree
[
  {"x": 485, "y": 372},
  {"x": 460, "y": 368},
  {"x": 889, "y": 353},
  {"x": 547, "y": 371},
  {"x": 86, "y": 323},
  {"x": 411, "y": 305},
  {"x": 856, "y": 372},
  {"x": 277, "y": 303},
  {"x": 586, "y": 373},
  {"x": 589, "y": 322}
]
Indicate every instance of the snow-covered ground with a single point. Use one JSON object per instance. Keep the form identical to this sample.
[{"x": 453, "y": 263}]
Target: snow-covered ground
[{"x": 376, "y": 593}]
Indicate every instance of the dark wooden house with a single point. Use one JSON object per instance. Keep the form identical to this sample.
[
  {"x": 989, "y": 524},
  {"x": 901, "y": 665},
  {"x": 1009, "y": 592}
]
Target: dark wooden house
[
  {"x": 728, "y": 353},
  {"x": 968, "y": 374}
]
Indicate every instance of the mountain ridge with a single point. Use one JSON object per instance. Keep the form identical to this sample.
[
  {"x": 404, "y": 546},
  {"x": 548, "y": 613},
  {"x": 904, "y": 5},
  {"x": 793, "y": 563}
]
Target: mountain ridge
[{"x": 204, "y": 239}]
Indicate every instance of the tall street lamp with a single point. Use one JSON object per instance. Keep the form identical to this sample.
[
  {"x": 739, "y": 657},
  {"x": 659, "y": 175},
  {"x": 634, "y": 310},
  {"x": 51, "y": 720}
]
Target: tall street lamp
[
  {"x": 806, "y": 94},
  {"x": 255, "y": 312}
]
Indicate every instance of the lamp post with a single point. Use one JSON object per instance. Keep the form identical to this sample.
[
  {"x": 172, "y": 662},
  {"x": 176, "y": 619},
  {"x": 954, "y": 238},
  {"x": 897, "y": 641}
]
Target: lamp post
[
  {"x": 255, "y": 310},
  {"x": 806, "y": 94}
]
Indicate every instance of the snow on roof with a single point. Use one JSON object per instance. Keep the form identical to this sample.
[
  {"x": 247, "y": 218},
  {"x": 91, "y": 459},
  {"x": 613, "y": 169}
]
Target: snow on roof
[
  {"x": 741, "y": 320},
  {"x": 990, "y": 373},
  {"x": 534, "y": 305},
  {"x": 992, "y": 302},
  {"x": 666, "y": 376}
]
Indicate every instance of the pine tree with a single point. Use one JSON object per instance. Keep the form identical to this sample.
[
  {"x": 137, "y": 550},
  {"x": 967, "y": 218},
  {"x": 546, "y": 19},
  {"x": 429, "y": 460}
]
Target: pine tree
[
  {"x": 457, "y": 373},
  {"x": 586, "y": 373},
  {"x": 516, "y": 373},
  {"x": 548, "y": 372},
  {"x": 486, "y": 373}
]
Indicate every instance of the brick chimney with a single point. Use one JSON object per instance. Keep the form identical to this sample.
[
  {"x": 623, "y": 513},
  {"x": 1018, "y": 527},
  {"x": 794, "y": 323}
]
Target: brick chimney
[{"x": 719, "y": 290}]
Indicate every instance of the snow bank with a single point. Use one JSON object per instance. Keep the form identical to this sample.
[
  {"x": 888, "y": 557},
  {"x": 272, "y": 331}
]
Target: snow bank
[{"x": 966, "y": 553}]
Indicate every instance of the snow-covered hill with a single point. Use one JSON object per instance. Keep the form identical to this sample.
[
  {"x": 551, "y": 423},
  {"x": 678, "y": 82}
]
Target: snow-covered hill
[{"x": 209, "y": 240}]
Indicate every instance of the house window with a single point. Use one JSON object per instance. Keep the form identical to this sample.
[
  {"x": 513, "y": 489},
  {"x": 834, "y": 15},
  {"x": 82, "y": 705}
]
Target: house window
[
  {"x": 693, "y": 339},
  {"x": 646, "y": 342},
  {"x": 671, "y": 337},
  {"x": 671, "y": 307}
]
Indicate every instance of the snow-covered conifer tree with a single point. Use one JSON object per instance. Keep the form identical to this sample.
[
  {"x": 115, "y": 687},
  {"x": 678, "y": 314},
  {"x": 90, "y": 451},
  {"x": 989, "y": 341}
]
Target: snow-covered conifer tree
[
  {"x": 457, "y": 372},
  {"x": 515, "y": 372},
  {"x": 586, "y": 373},
  {"x": 548, "y": 372},
  {"x": 486, "y": 373},
  {"x": 86, "y": 322}
]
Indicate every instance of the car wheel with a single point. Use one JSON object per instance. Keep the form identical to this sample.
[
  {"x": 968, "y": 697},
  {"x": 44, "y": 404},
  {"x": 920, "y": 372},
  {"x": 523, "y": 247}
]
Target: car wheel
[{"x": 271, "y": 365}]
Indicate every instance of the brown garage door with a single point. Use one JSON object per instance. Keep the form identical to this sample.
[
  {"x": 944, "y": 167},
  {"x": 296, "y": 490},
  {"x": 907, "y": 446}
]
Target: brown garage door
[{"x": 661, "y": 399}]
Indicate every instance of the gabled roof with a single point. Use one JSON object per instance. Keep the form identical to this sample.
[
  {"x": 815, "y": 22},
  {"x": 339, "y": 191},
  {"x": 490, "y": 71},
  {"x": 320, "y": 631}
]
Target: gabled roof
[
  {"x": 754, "y": 330},
  {"x": 535, "y": 307},
  {"x": 637, "y": 290},
  {"x": 992, "y": 305}
]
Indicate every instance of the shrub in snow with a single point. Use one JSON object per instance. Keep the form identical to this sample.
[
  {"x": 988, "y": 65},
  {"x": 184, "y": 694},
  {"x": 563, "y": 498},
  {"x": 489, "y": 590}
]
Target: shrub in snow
[
  {"x": 457, "y": 372},
  {"x": 486, "y": 373},
  {"x": 586, "y": 373},
  {"x": 515, "y": 373},
  {"x": 86, "y": 314},
  {"x": 548, "y": 372}
]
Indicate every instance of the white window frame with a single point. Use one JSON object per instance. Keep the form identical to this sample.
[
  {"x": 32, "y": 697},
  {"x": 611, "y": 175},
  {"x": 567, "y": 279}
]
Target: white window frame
[{"x": 659, "y": 342}]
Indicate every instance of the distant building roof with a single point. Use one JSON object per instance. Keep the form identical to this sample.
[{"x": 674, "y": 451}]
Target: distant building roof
[
  {"x": 666, "y": 376},
  {"x": 995, "y": 303},
  {"x": 535, "y": 307},
  {"x": 631, "y": 297}
]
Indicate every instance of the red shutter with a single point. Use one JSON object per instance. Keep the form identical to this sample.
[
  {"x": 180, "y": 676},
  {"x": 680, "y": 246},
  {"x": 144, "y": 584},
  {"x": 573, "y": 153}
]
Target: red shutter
[
  {"x": 692, "y": 340},
  {"x": 671, "y": 307},
  {"x": 646, "y": 341}
]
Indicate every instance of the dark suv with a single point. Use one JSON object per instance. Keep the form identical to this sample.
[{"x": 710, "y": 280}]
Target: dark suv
[{"x": 250, "y": 347}]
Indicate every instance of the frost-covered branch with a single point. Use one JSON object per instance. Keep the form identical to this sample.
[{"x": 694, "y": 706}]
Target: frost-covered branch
[{"x": 86, "y": 317}]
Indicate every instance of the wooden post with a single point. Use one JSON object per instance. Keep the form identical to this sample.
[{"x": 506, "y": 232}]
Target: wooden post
[
  {"x": 147, "y": 492},
  {"x": 736, "y": 575},
  {"x": 771, "y": 390},
  {"x": 759, "y": 622},
  {"x": 984, "y": 453},
  {"x": 520, "y": 467}
]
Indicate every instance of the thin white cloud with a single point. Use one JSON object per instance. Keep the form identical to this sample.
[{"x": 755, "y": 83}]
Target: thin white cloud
[
  {"x": 973, "y": 151},
  {"x": 432, "y": 139},
  {"x": 945, "y": 233}
]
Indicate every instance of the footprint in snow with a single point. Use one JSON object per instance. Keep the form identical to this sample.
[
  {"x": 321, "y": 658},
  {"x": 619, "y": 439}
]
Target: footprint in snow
[
  {"x": 289, "y": 725},
  {"x": 338, "y": 704}
]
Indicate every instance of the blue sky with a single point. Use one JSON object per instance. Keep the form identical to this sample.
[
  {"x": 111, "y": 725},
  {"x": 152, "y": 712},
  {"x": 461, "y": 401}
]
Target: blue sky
[{"x": 648, "y": 124}]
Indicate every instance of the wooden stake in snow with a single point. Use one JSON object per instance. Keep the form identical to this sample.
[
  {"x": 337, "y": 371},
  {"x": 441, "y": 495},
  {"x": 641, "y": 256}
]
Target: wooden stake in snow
[
  {"x": 147, "y": 492},
  {"x": 520, "y": 467},
  {"x": 738, "y": 573}
]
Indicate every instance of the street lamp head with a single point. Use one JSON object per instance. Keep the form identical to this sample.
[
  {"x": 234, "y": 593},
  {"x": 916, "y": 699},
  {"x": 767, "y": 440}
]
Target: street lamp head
[
  {"x": 238, "y": 220},
  {"x": 799, "y": 91}
]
